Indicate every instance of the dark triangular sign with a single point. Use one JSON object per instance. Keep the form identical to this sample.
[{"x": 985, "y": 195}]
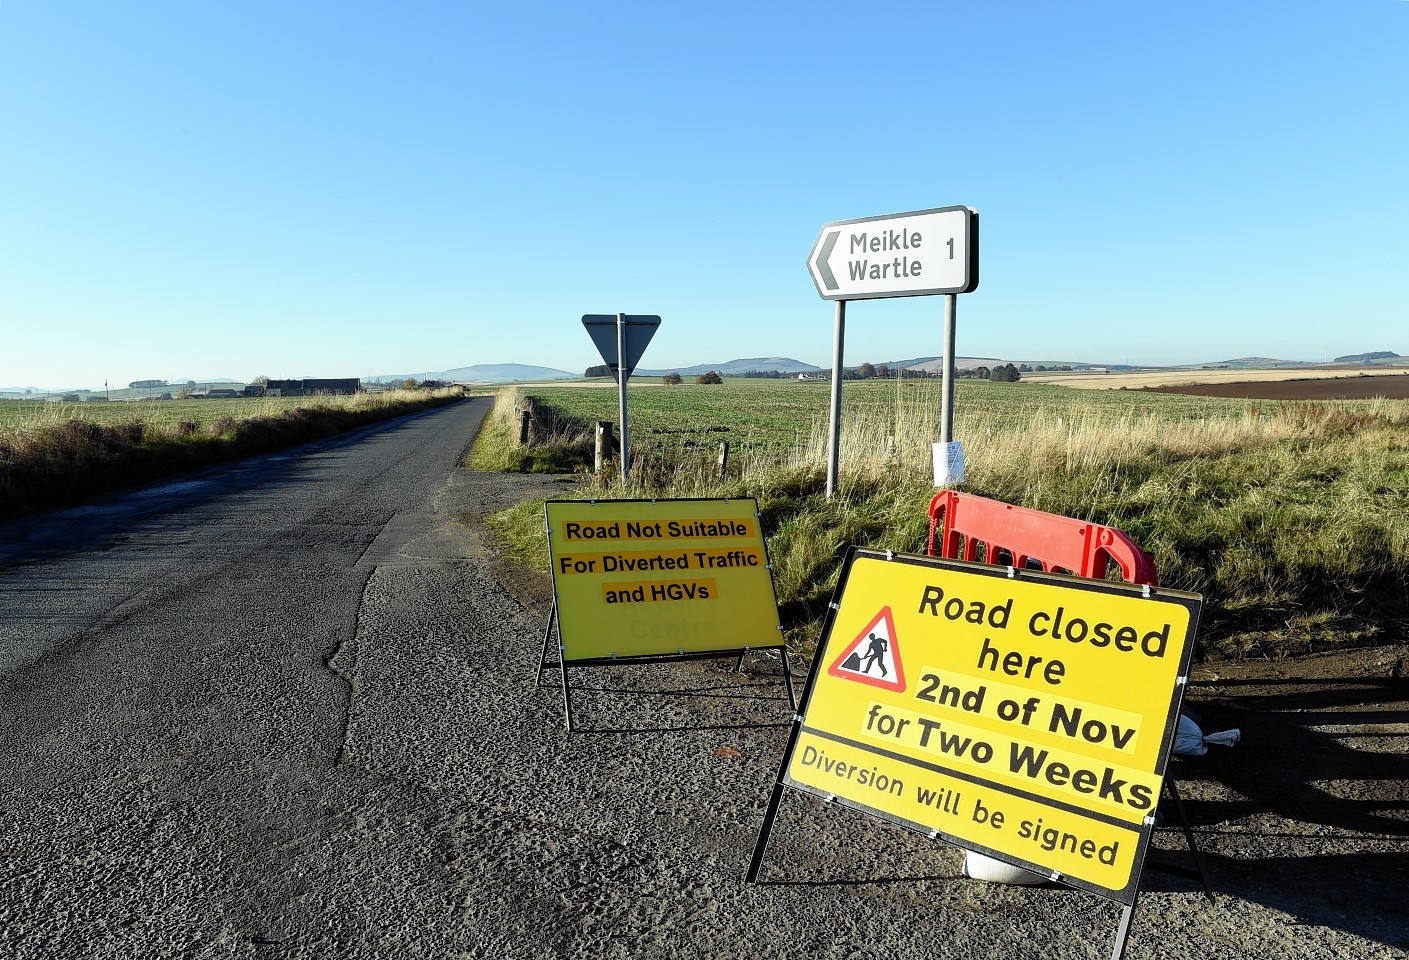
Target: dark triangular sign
[
  {"x": 874, "y": 656},
  {"x": 637, "y": 333}
]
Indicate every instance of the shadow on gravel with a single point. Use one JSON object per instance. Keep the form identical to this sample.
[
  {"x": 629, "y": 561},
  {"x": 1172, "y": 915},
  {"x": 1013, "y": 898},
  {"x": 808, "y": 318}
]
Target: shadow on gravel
[
  {"x": 614, "y": 731},
  {"x": 1360, "y": 893},
  {"x": 703, "y": 693},
  {"x": 864, "y": 882},
  {"x": 1332, "y": 755},
  {"x": 1313, "y": 819}
]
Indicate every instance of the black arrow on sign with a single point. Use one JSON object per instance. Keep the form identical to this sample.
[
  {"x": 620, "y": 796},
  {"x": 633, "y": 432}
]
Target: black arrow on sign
[{"x": 828, "y": 280}]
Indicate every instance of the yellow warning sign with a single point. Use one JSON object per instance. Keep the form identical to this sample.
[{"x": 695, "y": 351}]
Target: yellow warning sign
[
  {"x": 1028, "y": 715},
  {"x": 651, "y": 577}
]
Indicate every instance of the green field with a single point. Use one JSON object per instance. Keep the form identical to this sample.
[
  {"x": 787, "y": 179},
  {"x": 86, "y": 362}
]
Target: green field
[
  {"x": 1290, "y": 517},
  {"x": 781, "y": 415}
]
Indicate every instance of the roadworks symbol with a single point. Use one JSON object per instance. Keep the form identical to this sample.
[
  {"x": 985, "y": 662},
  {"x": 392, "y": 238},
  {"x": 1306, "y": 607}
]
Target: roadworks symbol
[{"x": 874, "y": 656}]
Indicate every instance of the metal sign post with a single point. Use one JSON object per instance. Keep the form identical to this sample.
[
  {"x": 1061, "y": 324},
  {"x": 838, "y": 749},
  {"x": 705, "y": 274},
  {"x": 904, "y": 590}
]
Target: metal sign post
[
  {"x": 946, "y": 426},
  {"x": 834, "y": 426},
  {"x": 915, "y": 254},
  {"x": 621, "y": 375},
  {"x": 639, "y": 581},
  {"x": 621, "y": 339}
]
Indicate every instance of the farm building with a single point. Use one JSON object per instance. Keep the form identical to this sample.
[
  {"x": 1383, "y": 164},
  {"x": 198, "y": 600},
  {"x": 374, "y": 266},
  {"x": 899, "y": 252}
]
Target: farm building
[{"x": 310, "y": 387}]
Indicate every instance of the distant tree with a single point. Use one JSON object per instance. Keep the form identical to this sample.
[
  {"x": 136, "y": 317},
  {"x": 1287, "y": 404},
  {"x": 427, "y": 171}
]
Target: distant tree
[
  {"x": 883, "y": 371},
  {"x": 671, "y": 379},
  {"x": 409, "y": 383},
  {"x": 710, "y": 377},
  {"x": 260, "y": 381},
  {"x": 865, "y": 371},
  {"x": 600, "y": 370},
  {"x": 1006, "y": 373},
  {"x": 983, "y": 373}
]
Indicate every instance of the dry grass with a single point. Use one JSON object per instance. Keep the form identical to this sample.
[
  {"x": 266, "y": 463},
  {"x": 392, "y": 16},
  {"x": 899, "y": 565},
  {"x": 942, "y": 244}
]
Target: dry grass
[
  {"x": 1292, "y": 519},
  {"x": 52, "y": 456}
]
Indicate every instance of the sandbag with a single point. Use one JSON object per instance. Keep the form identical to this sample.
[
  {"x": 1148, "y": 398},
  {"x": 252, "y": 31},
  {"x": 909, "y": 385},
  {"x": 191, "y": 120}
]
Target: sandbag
[
  {"x": 980, "y": 867},
  {"x": 1189, "y": 739}
]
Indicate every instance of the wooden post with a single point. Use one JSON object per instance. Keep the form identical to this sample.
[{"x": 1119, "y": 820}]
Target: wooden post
[
  {"x": 525, "y": 421},
  {"x": 723, "y": 456},
  {"x": 604, "y": 444}
]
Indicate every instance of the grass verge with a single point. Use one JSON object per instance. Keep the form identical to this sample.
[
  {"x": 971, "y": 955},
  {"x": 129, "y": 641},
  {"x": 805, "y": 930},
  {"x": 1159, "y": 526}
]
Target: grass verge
[{"x": 1291, "y": 519}]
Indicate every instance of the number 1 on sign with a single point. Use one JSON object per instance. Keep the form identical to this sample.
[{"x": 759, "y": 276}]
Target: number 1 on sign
[{"x": 950, "y": 241}]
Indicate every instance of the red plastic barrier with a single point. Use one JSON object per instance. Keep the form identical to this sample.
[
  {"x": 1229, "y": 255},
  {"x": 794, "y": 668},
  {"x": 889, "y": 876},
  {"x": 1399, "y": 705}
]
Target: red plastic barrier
[{"x": 960, "y": 522}]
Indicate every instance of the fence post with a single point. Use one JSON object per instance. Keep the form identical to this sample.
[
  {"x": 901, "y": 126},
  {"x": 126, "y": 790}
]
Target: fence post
[
  {"x": 525, "y": 420},
  {"x": 723, "y": 456},
  {"x": 604, "y": 444}
]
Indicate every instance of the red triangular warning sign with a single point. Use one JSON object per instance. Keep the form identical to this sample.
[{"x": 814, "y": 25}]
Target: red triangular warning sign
[{"x": 874, "y": 656}]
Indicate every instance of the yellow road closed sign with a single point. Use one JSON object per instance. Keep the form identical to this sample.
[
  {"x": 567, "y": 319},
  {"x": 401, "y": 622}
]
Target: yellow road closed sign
[
  {"x": 1024, "y": 714},
  {"x": 637, "y": 578}
]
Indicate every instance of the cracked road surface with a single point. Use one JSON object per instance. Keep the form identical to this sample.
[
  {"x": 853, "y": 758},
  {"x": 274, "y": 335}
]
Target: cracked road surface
[
  {"x": 285, "y": 708},
  {"x": 178, "y": 680}
]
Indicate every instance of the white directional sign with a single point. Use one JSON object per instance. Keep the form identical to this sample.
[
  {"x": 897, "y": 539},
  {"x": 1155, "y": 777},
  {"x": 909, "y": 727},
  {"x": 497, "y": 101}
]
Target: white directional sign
[{"x": 901, "y": 255}]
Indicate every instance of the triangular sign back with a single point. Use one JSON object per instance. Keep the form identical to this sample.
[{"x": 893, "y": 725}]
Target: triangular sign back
[{"x": 638, "y": 333}]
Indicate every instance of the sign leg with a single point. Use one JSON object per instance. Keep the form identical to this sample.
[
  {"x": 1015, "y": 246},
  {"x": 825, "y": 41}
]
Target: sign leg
[
  {"x": 1189, "y": 836},
  {"x": 788, "y": 677},
  {"x": 567, "y": 696},
  {"x": 1123, "y": 933},
  {"x": 761, "y": 847},
  {"x": 547, "y": 633}
]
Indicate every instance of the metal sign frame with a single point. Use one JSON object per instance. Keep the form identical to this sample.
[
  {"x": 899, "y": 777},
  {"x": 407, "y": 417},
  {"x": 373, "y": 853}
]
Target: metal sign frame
[
  {"x": 822, "y": 664},
  {"x": 661, "y": 653}
]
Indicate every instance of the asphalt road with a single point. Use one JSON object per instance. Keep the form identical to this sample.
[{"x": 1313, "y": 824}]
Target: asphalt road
[{"x": 286, "y": 708}]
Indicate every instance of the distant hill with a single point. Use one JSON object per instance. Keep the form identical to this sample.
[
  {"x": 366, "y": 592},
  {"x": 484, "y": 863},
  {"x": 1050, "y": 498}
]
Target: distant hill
[
  {"x": 487, "y": 373},
  {"x": 935, "y": 365},
  {"x": 1254, "y": 363},
  {"x": 733, "y": 368},
  {"x": 1369, "y": 357}
]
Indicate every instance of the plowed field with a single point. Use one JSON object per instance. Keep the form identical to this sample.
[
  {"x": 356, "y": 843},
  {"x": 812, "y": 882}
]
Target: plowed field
[{"x": 1340, "y": 388}]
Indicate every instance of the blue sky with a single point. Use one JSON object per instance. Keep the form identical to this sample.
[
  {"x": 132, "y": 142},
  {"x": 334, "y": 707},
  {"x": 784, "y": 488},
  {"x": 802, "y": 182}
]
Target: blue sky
[{"x": 327, "y": 189}]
